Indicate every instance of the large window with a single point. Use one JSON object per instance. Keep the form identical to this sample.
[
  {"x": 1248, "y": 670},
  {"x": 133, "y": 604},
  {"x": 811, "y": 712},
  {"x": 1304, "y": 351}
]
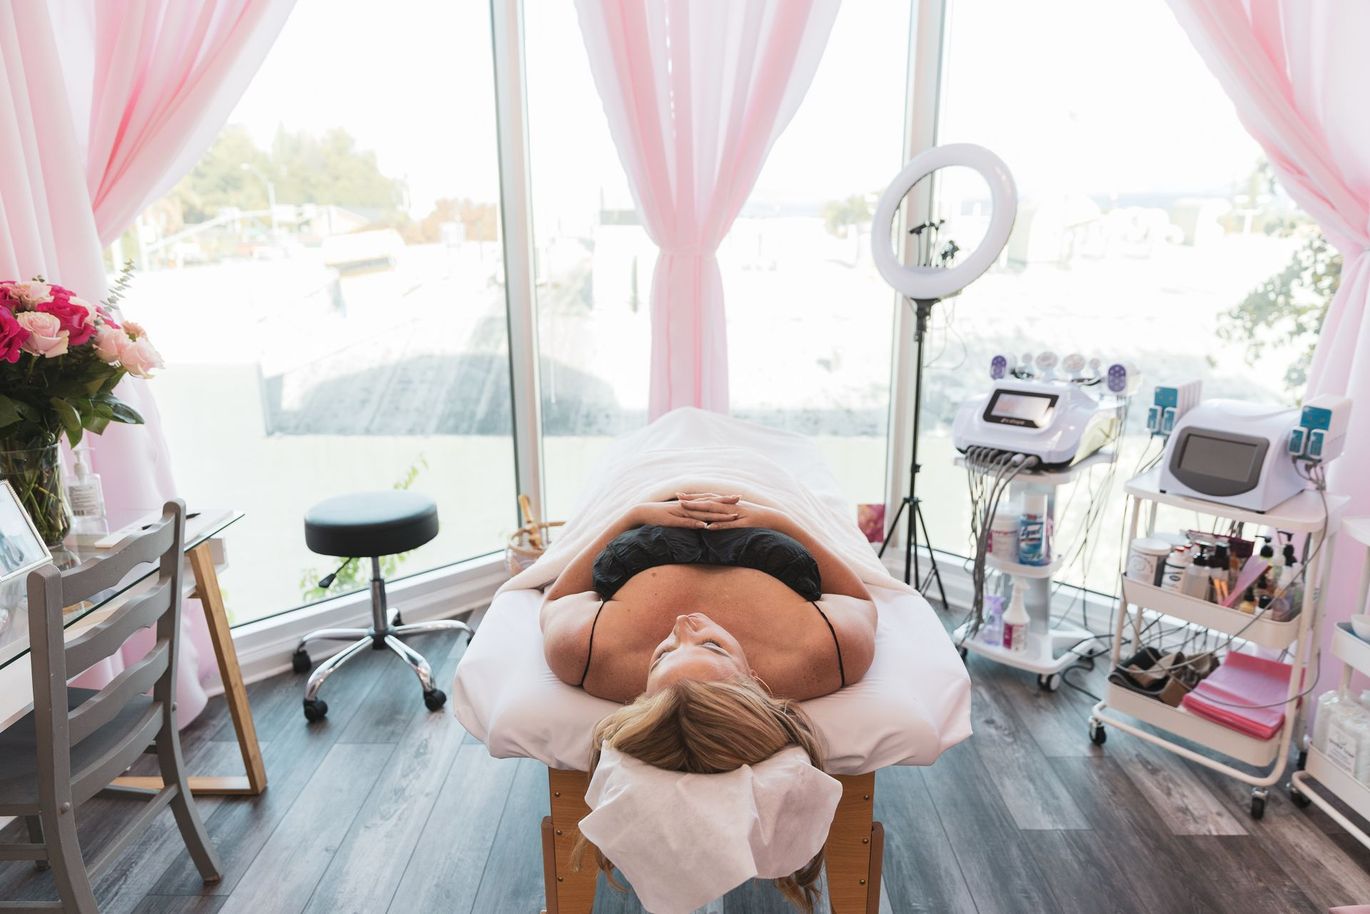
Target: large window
[
  {"x": 809, "y": 321},
  {"x": 327, "y": 289},
  {"x": 1145, "y": 217}
]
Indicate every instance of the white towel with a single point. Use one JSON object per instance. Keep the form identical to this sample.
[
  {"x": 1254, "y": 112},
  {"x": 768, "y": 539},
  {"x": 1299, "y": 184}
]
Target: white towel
[{"x": 683, "y": 840}]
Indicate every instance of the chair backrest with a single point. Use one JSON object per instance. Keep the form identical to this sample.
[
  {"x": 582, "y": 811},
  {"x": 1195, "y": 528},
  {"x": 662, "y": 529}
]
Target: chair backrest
[{"x": 59, "y": 726}]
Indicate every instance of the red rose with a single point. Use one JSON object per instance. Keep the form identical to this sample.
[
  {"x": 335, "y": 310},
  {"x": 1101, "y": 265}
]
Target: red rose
[
  {"x": 76, "y": 315},
  {"x": 12, "y": 337}
]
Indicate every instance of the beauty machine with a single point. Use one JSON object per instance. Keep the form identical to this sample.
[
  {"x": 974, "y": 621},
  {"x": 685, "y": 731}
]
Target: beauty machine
[
  {"x": 1250, "y": 455},
  {"x": 1059, "y": 421}
]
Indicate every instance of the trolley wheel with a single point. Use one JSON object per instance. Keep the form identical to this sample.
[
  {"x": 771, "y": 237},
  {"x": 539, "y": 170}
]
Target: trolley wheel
[
  {"x": 1258, "y": 803},
  {"x": 1049, "y": 683},
  {"x": 1303, "y": 761},
  {"x": 1097, "y": 734},
  {"x": 300, "y": 661},
  {"x": 399, "y": 620},
  {"x": 435, "y": 699},
  {"x": 1299, "y": 798},
  {"x": 315, "y": 709}
]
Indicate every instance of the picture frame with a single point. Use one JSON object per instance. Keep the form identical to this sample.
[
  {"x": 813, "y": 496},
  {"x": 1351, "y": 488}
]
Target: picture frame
[{"x": 21, "y": 548}]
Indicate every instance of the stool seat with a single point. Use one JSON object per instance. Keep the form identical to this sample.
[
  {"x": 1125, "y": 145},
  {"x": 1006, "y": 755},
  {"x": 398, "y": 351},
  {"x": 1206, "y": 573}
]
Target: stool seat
[{"x": 369, "y": 524}]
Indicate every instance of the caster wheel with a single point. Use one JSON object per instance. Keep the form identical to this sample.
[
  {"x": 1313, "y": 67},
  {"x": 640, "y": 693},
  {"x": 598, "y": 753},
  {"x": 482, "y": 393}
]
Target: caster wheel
[
  {"x": 435, "y": 699},
  {"x": 1257, "y": 804},
  {"x": 1049, "y": 683},
  {"x": 315, "y": 710},
  {"x": 1097, "y": 734},
  {"x": 963, "y": 652},
  {"x": 1299, "y": 799},
  {"x": 399, "y": 620},
  {"x": 1303, "y": 761},
  {"x": 301, "y": 662}
]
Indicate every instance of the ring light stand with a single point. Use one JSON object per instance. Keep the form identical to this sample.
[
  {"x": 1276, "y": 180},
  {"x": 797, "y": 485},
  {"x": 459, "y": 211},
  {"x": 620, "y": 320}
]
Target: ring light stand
[{"x": 924, "y": 285}]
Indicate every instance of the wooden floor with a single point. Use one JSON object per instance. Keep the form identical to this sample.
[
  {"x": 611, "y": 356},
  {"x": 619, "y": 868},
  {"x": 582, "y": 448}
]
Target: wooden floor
[{"x": 386, "y": 807}]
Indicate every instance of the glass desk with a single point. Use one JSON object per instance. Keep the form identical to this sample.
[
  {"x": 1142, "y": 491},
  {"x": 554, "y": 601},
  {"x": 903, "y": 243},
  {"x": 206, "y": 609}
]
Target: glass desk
[{"x": 203, "y": 531}]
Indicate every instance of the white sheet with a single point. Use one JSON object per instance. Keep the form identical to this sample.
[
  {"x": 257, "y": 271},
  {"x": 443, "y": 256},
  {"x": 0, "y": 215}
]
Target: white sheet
[{"x": 913, "y": 703}]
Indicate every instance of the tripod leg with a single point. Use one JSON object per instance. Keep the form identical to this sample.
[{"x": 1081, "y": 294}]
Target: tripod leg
[
  {"x": 934, "y": 572},
  {"x": 911, "y": 542},
  {"x": 894, "y": 525}
]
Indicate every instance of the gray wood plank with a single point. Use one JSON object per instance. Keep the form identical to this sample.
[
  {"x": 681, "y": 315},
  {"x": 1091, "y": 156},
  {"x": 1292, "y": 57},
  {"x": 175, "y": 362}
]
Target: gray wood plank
[
  {"x": 1181, "y": 800},
  {"x": 1056, "y": 721},
  {"x": 366, "y": 870},
  {"x": 287, "y": 870},
  {"x": 444, "y": 870},
  {"x": 1157, "y": 871},
  {"x": 179, "y": 904},
  {"x": 512, "y": 880},
  {"x": 1333, "y": 869},
  {"x": 1077, "y": 865},
  {"x": 921, "y": 872},
  {"x": 988, "y": 844},
  {"x": 1247, "y": 877},
  {"x": 1016, "y": 766},
  {"x": 295, "y": 751},
  {"x": 391, "y": 706}
]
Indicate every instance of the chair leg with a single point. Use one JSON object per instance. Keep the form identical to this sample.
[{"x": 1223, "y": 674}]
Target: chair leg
[
  {"x": 183, "y": 805},
  {"x": 325, "y": 669},
  {"x": 35, "y": 826},
  {"x": 434, "y": 625},
  {"x": 68, "y": 866},
  {"x": 414, "y": 659}
]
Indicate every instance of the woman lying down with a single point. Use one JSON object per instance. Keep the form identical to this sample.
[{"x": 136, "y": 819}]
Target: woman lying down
[{"x": 709, "y": 616}]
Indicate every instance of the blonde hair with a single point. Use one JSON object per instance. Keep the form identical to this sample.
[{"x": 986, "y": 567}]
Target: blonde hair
[{"x": 708, "y": 728}]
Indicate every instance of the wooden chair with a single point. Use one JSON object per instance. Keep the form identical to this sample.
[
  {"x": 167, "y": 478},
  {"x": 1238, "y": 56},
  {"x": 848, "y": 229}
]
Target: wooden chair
[{"x": 76, "y": 741}]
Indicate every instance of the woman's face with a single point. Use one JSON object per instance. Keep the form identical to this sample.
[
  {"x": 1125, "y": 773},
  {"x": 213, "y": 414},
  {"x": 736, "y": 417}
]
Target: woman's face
[{"x": 698, "y": 648}]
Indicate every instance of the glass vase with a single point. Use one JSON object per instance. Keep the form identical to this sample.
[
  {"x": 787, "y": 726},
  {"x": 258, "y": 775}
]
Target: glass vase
[{"x": 36, "y": 476}]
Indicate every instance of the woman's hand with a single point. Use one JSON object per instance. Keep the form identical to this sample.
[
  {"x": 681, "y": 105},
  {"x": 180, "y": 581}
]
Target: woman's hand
[
  {"x": 724, "y": 512},
  {"x": 677, "y": 514}
]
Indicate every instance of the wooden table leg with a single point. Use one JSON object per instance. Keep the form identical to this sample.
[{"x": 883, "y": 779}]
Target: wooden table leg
[
  {"x": 854, "y": 847},
  {"x": 568, "y": 891},
  {"x": 235, "y": 693}
]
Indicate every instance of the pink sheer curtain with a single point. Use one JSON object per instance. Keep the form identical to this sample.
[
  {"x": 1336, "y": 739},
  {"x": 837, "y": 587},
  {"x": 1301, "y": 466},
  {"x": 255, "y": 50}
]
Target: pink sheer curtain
[
  {"x": 104, "y": 105},
  {"x": 1298, "y": 72},
  {"x": 695, "y": 92}
]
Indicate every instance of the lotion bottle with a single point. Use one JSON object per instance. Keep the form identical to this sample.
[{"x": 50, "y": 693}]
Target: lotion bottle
[{"x": 86, "y": 495}]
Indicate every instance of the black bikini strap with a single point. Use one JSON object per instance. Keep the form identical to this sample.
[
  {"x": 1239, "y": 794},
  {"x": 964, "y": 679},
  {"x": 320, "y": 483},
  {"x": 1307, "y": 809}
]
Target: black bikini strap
[
  {"x": 589, "y": 649},
  {"x": 841, "y": 670}
]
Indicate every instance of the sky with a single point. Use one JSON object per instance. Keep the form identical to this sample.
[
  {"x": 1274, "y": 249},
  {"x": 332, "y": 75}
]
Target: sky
[{"x": 1097, "y": 96}]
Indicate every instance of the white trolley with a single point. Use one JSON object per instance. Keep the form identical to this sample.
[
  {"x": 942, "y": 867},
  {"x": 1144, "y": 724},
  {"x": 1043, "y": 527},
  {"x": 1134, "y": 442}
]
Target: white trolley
[
  {"x": 1124, "y": 709},
  {"x": 1052, "y": 647},
  {"x": 1320, "y": 779}
]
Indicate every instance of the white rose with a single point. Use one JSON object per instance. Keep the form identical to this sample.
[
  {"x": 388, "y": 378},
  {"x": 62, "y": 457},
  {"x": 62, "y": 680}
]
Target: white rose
[
  {"x": 31, "y": 292},
  {"x": 110, "y": 343},
  {"x": 139, "y": 358},
  {"x": 46, "y": 336}
]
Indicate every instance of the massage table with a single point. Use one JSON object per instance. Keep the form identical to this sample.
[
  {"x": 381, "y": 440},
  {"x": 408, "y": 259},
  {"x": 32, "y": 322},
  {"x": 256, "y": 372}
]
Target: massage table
[{"x": 913, "y": 703}]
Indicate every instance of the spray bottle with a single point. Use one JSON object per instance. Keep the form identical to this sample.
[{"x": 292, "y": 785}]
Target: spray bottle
[{"x": 1016, "y": 621}]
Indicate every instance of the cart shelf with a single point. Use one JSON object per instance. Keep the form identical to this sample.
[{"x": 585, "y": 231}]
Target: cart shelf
[
  {"x": 1351, "y": 649},
  {"x": 1232, "y": 743},
  {"x": 1026, "y": 571},
  {"x": 1259, "y": 630}
]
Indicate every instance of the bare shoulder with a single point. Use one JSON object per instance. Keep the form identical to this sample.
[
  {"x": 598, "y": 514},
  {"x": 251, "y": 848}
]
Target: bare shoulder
[
  {"x": 853, "y": 622},
  {"x": 566, "y": 623}
]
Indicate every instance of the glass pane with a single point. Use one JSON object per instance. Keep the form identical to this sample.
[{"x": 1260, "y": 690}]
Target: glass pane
[
  {"x": 1145, "y": 216},
  {"x": 593, "y": 261},
  {"x": 810, "y": 321},
  {"x": 804, "y": 302},
  {"x": 327, "y": 289}
]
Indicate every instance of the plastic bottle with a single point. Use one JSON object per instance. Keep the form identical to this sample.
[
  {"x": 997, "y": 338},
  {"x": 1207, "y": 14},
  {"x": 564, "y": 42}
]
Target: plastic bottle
[
  {"x": 86, "y": 495},
  {"x": 1033, "y": 548},
  {"x": 1003, "y": 534},
  {"x": 1194, "y": 581},
  {"x": 1016, "y": 621},
  {"x": 1176, "y": 564},
  {"x": 1330, "y": 705},
  {"x": 992, "y": 630}
]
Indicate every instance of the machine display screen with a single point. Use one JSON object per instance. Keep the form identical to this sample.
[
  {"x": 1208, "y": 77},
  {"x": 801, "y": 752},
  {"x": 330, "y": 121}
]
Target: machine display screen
[
  {"x": 1018, "y": 408},
  {"x": 1221, "y": 458}
]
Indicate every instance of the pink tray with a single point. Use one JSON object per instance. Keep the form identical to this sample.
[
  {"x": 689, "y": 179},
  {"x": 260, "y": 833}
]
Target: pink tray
[{"x": 1246, "y": 694}]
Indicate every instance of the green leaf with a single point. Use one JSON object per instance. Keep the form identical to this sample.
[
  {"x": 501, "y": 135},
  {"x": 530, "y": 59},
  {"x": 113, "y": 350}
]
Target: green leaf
[
  {"x": 9, "y": 411},
  {"x": 69, "y": 417},
  {"x": 123, "y": 412}
]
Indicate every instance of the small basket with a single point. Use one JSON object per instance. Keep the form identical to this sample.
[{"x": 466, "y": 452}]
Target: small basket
[{"x": 521, "y": 551}]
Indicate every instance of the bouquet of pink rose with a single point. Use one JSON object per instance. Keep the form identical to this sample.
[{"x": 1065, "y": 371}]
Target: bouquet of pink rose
[{"x": 60, "y": 360}]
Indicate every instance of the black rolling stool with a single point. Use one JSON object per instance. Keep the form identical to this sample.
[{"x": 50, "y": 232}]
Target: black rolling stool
[{"x": 370, "y": 525}]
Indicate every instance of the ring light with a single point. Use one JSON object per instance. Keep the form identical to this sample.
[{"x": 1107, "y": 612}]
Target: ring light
[{"x": 932, "y": 283}]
